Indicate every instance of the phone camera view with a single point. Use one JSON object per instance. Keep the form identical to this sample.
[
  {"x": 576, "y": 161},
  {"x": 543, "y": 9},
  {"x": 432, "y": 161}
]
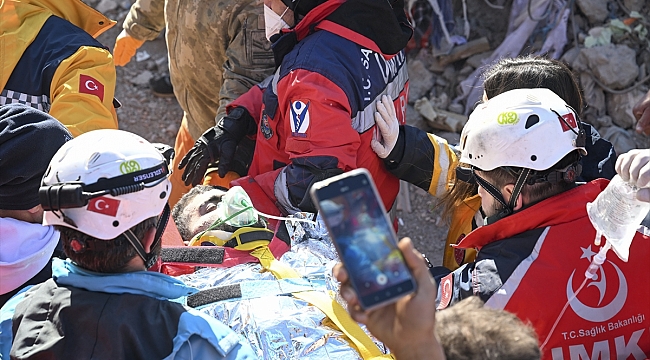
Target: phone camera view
[{"x": 358, "y": 224}]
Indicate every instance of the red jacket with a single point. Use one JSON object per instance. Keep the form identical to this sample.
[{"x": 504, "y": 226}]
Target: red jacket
[
  {"x": 317, "y": 117},
  {"x": 532, "y": 262}
]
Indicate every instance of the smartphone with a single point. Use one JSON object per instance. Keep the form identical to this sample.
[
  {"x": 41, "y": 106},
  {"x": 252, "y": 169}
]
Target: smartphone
[{"x": 357, "y": 222}]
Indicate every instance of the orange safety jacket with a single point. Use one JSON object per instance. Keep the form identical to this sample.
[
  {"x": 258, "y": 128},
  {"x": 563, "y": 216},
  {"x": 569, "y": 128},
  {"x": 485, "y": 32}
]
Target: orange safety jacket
[{"x": 50, "y": 60}]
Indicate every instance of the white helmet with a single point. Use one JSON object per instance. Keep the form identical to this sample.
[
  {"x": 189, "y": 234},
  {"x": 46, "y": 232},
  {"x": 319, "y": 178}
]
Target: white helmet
[
  {"x": 104, "y": 182},
  {"x": 527, "y": 128}
]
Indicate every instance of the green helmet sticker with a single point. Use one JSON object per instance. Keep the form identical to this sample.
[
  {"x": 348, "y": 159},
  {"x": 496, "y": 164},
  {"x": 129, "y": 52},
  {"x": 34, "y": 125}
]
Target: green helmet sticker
[
  {"x": 508, "y": 118},
  {"x": 129, "y": 167}
]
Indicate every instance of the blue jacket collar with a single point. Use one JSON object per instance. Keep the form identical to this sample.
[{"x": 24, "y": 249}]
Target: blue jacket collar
[{"x": 156, "y": 285}]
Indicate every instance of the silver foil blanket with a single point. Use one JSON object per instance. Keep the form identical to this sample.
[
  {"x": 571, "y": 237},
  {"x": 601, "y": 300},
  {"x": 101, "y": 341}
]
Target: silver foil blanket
[{"x": 277, "y": 325}]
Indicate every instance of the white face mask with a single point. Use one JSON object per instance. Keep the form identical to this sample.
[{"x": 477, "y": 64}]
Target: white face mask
[{"x": 273, "y": 22}]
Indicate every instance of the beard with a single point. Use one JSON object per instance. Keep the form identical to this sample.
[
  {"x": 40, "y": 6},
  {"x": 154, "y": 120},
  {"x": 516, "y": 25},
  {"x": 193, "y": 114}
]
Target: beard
[{"x": 495, "y": 208}]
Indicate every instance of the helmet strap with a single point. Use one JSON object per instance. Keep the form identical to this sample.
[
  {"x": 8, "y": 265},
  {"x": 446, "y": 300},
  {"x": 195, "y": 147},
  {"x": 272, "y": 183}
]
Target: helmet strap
[
  {"x": 519, "y": 185},
  {"x": 508, "y": 208},
  {"x": 150, "y": 258}
]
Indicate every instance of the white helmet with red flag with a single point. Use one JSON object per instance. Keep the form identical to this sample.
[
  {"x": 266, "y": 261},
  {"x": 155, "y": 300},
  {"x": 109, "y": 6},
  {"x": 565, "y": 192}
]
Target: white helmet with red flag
[{"x": 104, "y": 182}]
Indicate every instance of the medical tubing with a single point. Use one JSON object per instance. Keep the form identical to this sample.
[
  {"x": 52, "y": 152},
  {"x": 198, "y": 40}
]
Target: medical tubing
[
  {"x": 221, "y": 221},
  {"x": 557, "y": 320},
  {"x": 286, "y": 218},
  {"x": 590, "y": 273},
  {"x": 598, "y": 260}
]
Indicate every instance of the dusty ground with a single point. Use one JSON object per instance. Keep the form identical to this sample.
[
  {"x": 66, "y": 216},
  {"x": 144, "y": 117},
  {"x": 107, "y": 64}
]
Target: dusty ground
[{"x": 157, "y": 120}]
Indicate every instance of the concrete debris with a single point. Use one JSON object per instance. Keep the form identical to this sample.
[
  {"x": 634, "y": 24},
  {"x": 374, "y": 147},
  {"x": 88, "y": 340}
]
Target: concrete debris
[
  {"x": 614, "y": 65},
  {"x": 438, "y": 118},
  {"x": 606, "y": 43},
  {"x": 619, "y": 107},
  {"x": 464, "y": 51},
  {"x": 421, "y": 80},
  {"x": 595, "y": 10},
  {"x": 413, "y": 118},
  {"x": 142, "y": 56},
  {"x": 142, "y": 78}
]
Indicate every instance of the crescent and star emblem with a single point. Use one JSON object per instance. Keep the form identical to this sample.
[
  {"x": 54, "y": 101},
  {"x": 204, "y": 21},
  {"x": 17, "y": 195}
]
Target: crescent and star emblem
[
  {"x": 604, "y": 313},
  {"x": 90, "y": 85},
  {"x": 100, "y": 205}
]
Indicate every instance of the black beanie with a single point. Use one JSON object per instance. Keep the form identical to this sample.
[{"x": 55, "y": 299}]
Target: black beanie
[{"x": 29, "y": 138}]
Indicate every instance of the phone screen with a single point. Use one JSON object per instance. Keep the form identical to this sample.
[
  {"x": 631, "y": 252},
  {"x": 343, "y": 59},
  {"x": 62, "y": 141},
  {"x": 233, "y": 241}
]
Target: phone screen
[{"x": 365, "y": 240}]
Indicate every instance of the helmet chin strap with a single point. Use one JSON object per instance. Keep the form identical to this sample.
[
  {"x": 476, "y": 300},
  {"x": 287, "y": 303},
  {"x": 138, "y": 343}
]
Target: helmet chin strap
[
  {"x": 150, "y": 258},
  {"x": 508, "y": 208}
]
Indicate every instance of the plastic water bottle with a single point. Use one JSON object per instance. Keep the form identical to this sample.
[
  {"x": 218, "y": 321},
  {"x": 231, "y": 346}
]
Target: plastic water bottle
[{"x": 617, "y": 214}]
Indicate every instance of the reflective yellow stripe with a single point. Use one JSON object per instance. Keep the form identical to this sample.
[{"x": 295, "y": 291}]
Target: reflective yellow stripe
[{"x": 437, "y": 166}]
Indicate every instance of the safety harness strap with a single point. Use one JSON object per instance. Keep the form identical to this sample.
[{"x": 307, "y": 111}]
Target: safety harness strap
[
  {"x": 255, "y": 242},
  {"x": 334, "y": 311}
]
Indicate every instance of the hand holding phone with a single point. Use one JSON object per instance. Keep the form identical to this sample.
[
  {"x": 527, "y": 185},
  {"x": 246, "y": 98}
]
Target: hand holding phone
[
  {"x": 364, "y": 238},
  {"x": 407, "y": 326}
]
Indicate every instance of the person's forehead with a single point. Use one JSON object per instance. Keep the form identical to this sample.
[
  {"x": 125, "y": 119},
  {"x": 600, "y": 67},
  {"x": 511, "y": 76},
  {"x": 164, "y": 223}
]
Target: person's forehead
[{"x": 206, "y": 196}]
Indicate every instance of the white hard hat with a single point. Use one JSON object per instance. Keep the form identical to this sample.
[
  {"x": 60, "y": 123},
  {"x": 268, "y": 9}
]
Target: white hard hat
[
  {"x": 527, "y": 128},
  {"x": 104, "y": 182}
]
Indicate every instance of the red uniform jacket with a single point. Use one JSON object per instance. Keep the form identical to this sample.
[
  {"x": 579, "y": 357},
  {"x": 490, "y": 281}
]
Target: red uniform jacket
[
  {"x": 532, "y": 263},
  {"x": 317, "y": 114}
]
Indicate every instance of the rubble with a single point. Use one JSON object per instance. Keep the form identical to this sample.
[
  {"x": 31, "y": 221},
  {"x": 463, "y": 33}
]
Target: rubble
[
  {"x": 595, "y": 10},
  {"x": 605, "y": 43}
]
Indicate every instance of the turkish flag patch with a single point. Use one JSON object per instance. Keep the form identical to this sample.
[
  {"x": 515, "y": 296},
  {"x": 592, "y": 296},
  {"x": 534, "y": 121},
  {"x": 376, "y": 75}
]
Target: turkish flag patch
[
  {"x": 446, "y": 291},
  {"x": 104, "y": 205},
  {"x": 570, "y": 120},
  {"x": 90, "y": 85}
]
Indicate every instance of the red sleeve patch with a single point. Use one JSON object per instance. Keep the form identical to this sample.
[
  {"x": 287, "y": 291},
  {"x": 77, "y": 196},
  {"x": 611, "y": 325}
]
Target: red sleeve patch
[
  {"x": 90, "y": 85},
  {"x": 446, "y": 291},
  {"x": 299, "y": 118}
]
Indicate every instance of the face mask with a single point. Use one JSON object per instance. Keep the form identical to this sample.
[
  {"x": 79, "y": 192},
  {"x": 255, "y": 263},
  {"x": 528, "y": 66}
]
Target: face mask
[
  {"x": 273, "y": 22},
  {"x": 236, "y": 208}
]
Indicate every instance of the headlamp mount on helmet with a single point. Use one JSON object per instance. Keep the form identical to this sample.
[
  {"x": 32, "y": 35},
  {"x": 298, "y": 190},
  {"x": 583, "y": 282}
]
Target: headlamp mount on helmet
[{"x": 76, "y": 194}]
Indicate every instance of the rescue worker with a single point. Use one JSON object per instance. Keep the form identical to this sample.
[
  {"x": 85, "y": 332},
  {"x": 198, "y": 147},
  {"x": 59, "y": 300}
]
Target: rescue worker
[
  {"x": 523, "y": 149},
  {"x": 217, "y": 51},
  {"x": 314, "y": 118},
  {"x": 52, "y": 62},
  {"x": 26, "y": 247},
  {"x": 110, "y": 206},
  {"x": 430, "y": 163}
]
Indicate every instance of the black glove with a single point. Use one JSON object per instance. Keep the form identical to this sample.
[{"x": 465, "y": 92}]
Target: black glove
[
  {"x": 217, "y": 144},
  {"x": 242, "y": 159}
]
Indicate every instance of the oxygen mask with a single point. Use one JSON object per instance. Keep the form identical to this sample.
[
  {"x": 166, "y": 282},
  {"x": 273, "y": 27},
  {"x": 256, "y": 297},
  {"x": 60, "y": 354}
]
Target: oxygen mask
[{"x": 236, "y": 209}]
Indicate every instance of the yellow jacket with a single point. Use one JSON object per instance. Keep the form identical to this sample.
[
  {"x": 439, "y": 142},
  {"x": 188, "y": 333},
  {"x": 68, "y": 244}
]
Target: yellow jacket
[
  {"x": 429, "y": 163},
  {"x": 65, "y": 72}
]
